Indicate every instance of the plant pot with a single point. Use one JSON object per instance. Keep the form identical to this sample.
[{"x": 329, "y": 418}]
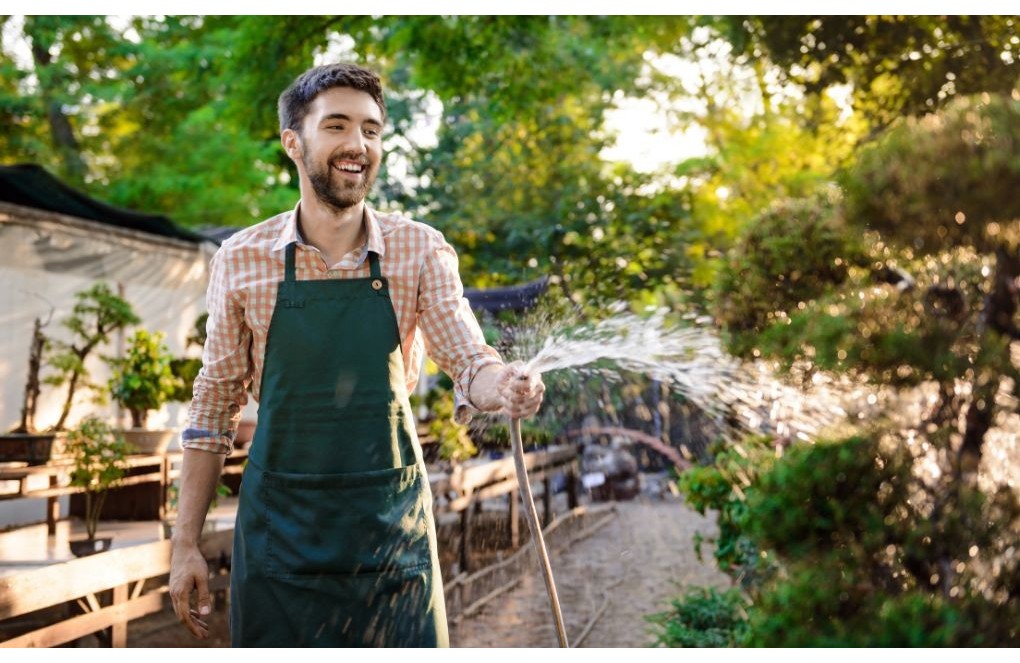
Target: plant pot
[
  {"x": 149, "y": 442},
  {"x": 245, "y": 433},
  {"x": 34, "y": 449},
  {"x": 86, "y": 547}
]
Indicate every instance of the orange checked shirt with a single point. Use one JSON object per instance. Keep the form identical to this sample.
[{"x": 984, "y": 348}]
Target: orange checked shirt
[{"x": 432, "y": 314}]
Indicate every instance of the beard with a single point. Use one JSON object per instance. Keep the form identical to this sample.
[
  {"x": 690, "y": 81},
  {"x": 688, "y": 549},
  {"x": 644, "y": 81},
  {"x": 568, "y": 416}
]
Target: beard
[{"x": 340, "y": 194}]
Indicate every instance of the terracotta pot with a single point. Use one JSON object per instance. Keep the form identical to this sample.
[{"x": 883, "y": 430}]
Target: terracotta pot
[
  {"x": 86, "y": 547},
  {"x": 149, "y": 442}
]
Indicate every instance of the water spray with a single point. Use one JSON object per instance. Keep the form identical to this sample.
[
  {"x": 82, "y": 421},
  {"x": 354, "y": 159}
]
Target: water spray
[{"x": 536, "y": 530}]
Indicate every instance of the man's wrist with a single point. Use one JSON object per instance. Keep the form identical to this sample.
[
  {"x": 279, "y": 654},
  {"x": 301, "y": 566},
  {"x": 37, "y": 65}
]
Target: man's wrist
[{"x": 483, "y": 392}]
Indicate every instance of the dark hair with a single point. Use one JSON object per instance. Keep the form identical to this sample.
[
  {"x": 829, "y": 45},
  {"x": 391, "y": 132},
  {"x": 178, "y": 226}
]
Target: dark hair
[{"x": 295, "y": 100}]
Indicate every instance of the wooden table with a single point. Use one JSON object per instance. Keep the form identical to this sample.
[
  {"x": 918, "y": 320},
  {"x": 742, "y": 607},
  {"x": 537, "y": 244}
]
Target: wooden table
[{"x": 158, "y": 470}]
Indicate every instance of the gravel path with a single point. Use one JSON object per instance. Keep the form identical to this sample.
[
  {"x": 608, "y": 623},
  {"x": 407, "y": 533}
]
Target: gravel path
[{"x": 643, "y": 558}]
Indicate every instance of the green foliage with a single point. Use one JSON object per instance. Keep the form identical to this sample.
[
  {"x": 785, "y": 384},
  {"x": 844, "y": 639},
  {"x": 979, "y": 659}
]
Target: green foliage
[
  {"x": 896, "y": 65},
  {"x": 143, "y": 380},
  {"x": 871, "y": 554},
  {"x": 793, "y": 253},
  {"x": 532, "y": 434},
  {"x": 97, "y": 313},
  {"x": 964, "y": 192},
  {"x": 454, "y": 441},
  {"x": 721, "y": 487},
  {"x": 99, "y": 462},
  {"x": 704, "y": 617},
  {"x": 900, "y": 338}
]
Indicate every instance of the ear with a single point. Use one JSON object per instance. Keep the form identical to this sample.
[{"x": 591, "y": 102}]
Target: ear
[{"x": 291, "y": 144}]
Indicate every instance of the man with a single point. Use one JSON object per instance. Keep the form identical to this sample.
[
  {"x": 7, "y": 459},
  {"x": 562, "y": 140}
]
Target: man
[{"x": 322, "y": 311}]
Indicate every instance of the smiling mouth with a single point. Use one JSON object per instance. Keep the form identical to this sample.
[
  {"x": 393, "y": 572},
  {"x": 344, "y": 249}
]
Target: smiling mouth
[{"x": 349, "y": 167}]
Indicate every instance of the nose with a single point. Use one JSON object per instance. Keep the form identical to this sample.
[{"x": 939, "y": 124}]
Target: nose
[{"x": 354, "y": 142}]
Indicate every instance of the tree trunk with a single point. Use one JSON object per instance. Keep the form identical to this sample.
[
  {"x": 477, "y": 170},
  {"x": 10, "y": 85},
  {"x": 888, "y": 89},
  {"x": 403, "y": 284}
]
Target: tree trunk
[
  {"x": 32, "y": 387},
  {"x": 61, "y": 131},
  {"x": 72, "y": 383}
]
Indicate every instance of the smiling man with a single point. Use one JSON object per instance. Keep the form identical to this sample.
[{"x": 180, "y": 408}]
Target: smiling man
[{"x": 324, "y": 311}]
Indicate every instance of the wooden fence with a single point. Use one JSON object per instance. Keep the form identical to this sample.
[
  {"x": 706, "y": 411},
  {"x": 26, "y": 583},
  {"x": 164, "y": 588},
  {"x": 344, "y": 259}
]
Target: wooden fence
[{"x": 111, "y": 589}]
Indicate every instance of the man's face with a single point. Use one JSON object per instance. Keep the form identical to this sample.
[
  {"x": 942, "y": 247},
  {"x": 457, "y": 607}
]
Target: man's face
[{"x": 341, "y": 146}]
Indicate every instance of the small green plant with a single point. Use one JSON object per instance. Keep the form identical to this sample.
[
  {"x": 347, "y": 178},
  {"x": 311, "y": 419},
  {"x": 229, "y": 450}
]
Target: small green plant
[
  {"x": 187, "y": 368},
  {"x": 454, "y": 441},
  {"x": 99, "y": 462},
  {"x": 97, "y": 314},
  {"x": 143, "y": 380},
  {"x": 704, "y": 617}
]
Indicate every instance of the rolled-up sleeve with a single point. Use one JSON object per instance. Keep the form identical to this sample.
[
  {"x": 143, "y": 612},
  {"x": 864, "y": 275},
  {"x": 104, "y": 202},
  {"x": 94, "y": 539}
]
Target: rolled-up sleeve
[
  {"x": 453, "y": 338},
  {"x": 220, "y": 390}
]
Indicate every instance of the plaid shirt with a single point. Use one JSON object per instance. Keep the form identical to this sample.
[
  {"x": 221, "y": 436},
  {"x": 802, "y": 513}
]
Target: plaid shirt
[{"x": 426, "y": 290}]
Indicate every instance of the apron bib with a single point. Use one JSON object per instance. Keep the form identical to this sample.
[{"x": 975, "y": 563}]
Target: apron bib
[{"x": 335, "y": 543}]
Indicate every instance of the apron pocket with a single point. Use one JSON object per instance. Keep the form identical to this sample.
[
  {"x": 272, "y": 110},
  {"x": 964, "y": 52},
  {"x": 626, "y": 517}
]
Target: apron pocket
[{"x": 346, "y": 524}]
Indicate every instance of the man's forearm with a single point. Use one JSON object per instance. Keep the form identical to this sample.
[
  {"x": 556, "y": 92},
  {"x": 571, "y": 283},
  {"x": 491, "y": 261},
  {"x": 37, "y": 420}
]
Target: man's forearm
[{"x": 200, "y": 472}]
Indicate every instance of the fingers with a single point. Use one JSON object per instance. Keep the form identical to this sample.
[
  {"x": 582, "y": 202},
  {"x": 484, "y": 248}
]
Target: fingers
[
  {"x": 521, "y": 393},
  {"x": 181, "y": 585}
]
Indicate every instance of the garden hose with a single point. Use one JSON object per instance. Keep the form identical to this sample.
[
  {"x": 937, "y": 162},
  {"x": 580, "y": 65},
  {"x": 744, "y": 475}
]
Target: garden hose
[{"x": 536, "y": 529}]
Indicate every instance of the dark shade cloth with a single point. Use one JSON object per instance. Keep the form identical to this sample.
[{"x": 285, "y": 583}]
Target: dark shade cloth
[{"x": 30, "y": 185}]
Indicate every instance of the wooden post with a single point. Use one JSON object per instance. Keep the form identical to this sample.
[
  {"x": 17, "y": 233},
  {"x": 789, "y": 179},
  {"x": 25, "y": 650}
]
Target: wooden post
[
  {"x": 546, "y": 501},
  {"x": 572, "y": 487},
  {"x": 164, "y": 489},
  {"x": 465, "y": 537},
  {"x": 52, "y": 508},
  {"x": 515, "y": 521},
  {"x": 118, "y": 632}
]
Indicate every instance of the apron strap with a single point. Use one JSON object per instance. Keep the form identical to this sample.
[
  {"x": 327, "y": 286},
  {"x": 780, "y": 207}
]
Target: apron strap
[
  {"x": 289, "y": 263},
  {"x": 373, "y": 261}
]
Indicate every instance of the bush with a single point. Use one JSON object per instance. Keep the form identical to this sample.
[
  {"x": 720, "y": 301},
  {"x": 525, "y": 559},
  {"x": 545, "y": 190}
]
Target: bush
[
  {"x": 704, "y": 617},
  {"x": 942, "y": 179},
  {"x": 871, "y": 555},
  {"x": 791, "y": 254}
]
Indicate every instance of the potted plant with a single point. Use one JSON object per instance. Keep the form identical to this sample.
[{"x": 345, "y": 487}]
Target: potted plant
[
  {"x": 25, "y": 443},
  {"x": 98, "y": 454},
  {"x": 97, "y": 314},
  {"x": 143, "y": 381}
]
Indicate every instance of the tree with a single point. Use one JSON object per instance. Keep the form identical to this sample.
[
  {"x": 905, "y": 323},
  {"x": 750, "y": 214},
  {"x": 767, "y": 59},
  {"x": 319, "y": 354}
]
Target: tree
[
  {"x": 895, "y": 534},
  {"x": 896, "y": 65},
  {"x": 97, "y": 314}
]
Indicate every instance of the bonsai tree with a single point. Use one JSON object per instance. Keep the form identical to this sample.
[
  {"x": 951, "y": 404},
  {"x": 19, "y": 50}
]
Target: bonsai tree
[
  {"x": 98, "y": 454},
  {"x": 96, "y": 315},
  {"x": 32, "y": 386},
  {"x": 143, "y": 380}
]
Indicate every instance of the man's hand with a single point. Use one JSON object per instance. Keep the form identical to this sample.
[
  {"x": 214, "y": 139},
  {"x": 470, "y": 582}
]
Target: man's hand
[
  {"x": 508, "y": 388},
  {"x": 188, "y": 571},
  {"x": 521, "y": 392}
]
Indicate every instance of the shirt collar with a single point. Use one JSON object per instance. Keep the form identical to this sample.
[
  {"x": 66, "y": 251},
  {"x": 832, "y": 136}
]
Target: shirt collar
[{"x": 289, "y": 233}]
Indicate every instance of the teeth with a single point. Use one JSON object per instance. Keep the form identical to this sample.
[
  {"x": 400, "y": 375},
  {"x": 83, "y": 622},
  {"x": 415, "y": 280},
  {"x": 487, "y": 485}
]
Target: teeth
[{"x": 351, "y": 168}]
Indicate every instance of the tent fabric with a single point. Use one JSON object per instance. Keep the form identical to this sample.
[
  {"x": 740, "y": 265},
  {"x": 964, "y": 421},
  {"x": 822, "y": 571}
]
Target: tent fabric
[{"x": 30, "y": 185}]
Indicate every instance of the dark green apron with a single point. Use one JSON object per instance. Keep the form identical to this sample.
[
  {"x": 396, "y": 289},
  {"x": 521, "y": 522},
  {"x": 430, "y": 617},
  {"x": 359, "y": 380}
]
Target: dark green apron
[{"x": 335, "y": 544}]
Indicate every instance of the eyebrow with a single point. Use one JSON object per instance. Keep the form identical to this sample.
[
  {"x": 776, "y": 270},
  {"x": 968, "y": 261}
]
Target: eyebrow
[{"x": 341, "y": 116}]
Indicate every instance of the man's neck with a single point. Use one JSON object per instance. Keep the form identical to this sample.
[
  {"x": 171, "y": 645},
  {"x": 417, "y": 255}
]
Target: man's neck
[{"x": 334, "y": 232}]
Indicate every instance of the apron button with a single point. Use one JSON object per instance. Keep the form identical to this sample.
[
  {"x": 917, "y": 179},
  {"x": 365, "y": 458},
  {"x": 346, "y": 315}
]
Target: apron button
[{"x": 376, "y": 284}]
